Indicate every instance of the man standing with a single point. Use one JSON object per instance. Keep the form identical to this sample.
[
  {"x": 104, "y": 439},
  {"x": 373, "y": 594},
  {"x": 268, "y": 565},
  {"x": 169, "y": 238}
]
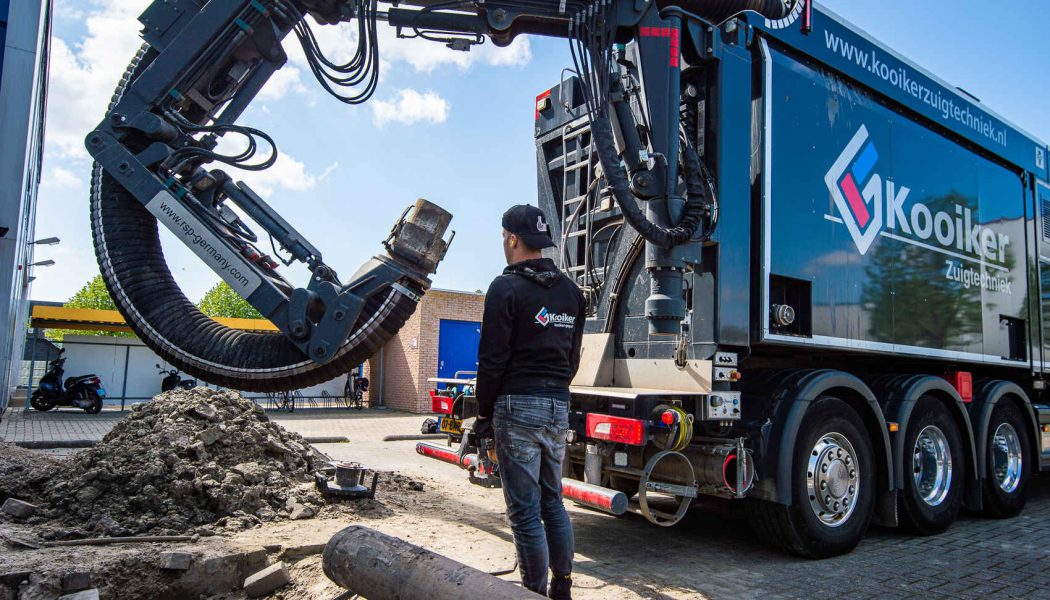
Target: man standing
[{"x": 528, "y": 354}]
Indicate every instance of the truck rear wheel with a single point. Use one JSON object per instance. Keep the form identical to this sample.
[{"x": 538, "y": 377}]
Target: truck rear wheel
[
  {"x": 934, "y": 469},
  {"x": 833, "y": 485},
  {"x": 1006, "y": 461}
]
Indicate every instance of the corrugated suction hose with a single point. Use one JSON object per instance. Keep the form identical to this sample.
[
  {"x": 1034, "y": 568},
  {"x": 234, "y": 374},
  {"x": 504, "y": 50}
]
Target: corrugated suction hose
[{"x": 133, "y": 267}]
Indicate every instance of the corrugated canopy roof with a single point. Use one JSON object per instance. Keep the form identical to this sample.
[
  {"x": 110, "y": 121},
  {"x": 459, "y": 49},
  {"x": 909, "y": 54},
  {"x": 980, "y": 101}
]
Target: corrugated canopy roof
[{"x": 91, "y": 319}]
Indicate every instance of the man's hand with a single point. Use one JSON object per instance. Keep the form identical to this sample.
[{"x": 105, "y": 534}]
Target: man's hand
[{"x": 482, "y": 429}]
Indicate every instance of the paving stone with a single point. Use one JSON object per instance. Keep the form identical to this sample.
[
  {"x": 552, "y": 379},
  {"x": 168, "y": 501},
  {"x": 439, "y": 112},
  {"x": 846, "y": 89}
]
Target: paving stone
[
  {"x": 18, "y": 509},
  {"x": 175, "y": 561},
  {"x": 269, "y": 579}
]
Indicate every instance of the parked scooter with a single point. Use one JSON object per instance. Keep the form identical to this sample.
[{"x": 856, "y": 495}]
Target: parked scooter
[
  {"x": 172, "y": 380},
  {"x": 83, "y": 391}
]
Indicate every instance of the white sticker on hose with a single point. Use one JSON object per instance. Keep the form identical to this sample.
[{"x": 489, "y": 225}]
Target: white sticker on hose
[{"x": 217, "y": 255}]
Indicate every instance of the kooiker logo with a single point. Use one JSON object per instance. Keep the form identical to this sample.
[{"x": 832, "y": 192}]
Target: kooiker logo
[
  {"x": 544, "y": 318},
  {"x": 870, "y": 207}
]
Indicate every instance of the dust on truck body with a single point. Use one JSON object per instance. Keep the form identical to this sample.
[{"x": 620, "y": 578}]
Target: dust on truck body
[{"x": 865, "y": 332}]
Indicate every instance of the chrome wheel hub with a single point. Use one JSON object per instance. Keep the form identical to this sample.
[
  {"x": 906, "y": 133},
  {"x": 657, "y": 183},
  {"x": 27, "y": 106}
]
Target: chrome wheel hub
[
  {"x": 932, "y": 465},
  {"x": 833, "y": 479},
  {"x": 1007, "y": 459}
]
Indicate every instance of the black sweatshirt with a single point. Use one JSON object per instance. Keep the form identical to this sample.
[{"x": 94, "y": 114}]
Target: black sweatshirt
[{"x": 531, "y": 332}]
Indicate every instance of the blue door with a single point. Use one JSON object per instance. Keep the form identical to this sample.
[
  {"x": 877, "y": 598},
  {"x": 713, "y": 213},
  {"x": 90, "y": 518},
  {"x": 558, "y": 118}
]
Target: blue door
[{"x": 458, "y": 348}]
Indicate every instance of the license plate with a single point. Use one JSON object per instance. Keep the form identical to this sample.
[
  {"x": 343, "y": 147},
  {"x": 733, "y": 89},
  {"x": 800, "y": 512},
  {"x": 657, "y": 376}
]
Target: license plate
[
  {"x": 449, "y": 425},
  {"x": 102, "y": 392}
]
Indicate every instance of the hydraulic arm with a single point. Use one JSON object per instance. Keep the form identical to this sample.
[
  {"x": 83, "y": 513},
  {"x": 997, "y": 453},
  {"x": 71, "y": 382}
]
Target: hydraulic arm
[{"x": 157, "y": 160}]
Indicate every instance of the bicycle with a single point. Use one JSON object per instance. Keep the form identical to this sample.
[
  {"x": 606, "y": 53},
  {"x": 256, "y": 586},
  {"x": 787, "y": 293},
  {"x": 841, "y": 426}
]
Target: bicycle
[
  {"x": 354, "y": 391},
  {"x": 284, "y": 400}
]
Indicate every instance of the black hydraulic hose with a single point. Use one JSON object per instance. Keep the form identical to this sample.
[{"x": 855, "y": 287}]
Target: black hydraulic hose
[
  {"x": 719, "y": 10},
  {"x": 664, "y": 237}
]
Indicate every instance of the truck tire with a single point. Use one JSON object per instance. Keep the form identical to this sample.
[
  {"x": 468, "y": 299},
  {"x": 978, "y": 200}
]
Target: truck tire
[
  {"x": 1008, "y": 468},
  {"x": 934, "y": 469},
  {"x": 131, "y": 259},
  {"x": 821, "y": 527}
]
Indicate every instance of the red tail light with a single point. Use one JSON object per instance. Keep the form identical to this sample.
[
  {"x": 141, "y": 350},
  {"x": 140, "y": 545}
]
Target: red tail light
[
  {"x": 440, "y": 404},
  {"x": 616, "y": 429},
  {"x": 962, "y": 381},
  {"x": 96, "y": 381}
]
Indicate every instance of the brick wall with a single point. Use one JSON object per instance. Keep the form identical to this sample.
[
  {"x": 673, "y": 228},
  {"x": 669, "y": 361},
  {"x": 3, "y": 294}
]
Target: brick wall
[{"x": 411, "y": 357}]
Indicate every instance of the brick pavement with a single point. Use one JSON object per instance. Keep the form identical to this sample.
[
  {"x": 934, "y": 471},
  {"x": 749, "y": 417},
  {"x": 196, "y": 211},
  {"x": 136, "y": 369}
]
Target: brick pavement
[{"x": 706, "y": 556}]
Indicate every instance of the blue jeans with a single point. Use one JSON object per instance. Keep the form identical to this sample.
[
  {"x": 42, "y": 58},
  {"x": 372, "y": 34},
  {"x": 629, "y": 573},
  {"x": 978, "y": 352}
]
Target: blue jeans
[{"x": 530, "y": 444}]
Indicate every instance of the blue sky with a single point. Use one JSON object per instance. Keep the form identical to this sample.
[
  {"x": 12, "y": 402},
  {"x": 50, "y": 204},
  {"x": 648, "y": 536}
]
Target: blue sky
[{"x": 454, "y": 128}]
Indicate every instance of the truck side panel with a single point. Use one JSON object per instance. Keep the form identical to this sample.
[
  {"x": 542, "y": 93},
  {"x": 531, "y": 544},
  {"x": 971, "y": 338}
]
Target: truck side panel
[{"x": 884, "y": 235}]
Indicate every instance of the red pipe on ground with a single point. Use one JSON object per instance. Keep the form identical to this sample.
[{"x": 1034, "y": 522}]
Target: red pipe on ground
[
  {"x": 470, "y": 461},
  {"x": 594, "y": 496},
  {"x": 443, "y": 454}
]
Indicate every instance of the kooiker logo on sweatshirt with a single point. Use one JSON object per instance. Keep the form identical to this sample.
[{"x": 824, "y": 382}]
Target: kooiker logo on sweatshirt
[{"x": 545, "y": 317}]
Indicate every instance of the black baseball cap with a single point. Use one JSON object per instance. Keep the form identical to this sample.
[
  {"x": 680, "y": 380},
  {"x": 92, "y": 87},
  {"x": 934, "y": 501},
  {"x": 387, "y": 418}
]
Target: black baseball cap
[{"x": 528, "y": 223}]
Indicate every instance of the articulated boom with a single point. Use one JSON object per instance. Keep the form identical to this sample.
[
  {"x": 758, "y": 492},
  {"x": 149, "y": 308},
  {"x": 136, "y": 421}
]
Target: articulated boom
[{"x": 203, "y": 63}]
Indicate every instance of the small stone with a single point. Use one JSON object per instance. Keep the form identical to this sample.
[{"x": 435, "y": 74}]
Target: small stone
[
  {"x": 269, "y": 579},
  {"x": 175, "y": 561},
  {"x": 300, "y": 511},
  {"x": 76, "y": 581},
  {"x": 91, "y": 594},
  {"x": 255, "y": 558},
  {"x": 206, "y": 411},
  {"x": 275, "y": 445},
  {"x": 18, "y": 509},
  {"x": 211, "y": 435},
  {"x": 88, "y": 495}
]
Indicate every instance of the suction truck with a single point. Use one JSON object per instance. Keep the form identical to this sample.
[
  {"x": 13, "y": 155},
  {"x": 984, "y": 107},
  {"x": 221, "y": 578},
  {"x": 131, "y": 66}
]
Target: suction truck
[{"x": 813, "y": 269}]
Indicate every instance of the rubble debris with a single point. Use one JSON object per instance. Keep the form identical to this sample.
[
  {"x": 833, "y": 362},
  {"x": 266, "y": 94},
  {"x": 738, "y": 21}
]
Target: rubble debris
[
  {"x": 23, "y": 473},
  {"x": 18, "y": 509},
  {"x": 40, "y": 586},
  {"x": 76, "y": 581},
  {"x": 189, "y": 460},
  {"x": 175, "y": 561},
  {"x": 269, "y": 579}
]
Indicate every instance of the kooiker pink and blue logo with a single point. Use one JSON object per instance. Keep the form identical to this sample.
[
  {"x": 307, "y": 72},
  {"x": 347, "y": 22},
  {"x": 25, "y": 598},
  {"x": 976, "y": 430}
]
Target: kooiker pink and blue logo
[
  {"x": 857, "y": 189},
  {"x": 543, "y": 317}
]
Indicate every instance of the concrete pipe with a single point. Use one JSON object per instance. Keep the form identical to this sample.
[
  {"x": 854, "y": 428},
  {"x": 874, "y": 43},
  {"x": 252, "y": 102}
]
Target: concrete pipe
[{"x": 380, "y": 567}]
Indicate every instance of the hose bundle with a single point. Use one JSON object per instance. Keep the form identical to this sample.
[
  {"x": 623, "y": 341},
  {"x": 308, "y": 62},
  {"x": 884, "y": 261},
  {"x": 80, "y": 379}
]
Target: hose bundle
[{"x": 718, "y": 11}]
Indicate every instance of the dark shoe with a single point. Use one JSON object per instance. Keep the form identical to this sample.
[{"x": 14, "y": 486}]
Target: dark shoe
[{"x": 561, "y": 587}]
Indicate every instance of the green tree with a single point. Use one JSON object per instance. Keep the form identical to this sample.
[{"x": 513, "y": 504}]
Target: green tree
[
  {"x": 93, "y": 295},
  {"x": 222, "y": 301}
]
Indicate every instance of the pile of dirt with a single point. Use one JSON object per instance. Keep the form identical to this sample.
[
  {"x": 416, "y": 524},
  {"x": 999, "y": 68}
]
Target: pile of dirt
[
  {"x": 24, "y": 473},
  {"x": 188, "y": 461}
]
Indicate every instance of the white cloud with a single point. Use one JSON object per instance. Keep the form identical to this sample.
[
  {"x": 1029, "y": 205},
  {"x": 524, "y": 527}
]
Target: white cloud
[
  {"x": 84, "y": 75},
  {"x": 410, "y": 107},
  {"x": 62, "y": 178},
  {"x": 287, "y": 80}
]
